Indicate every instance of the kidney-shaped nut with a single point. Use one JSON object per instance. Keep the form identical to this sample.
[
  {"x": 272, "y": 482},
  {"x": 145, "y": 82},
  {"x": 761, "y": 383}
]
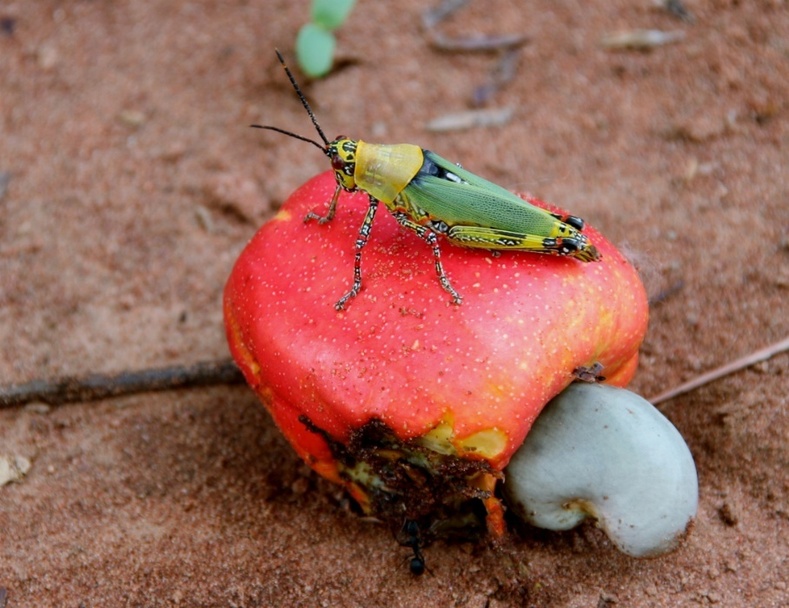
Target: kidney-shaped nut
[{"x": 605, "y": 452}]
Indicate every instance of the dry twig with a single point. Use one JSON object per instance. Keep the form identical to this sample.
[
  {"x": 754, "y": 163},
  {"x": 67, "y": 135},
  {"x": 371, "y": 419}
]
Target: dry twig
[
  {"x": 102, "y": 386},
  {"x": 725, "y": 370}
]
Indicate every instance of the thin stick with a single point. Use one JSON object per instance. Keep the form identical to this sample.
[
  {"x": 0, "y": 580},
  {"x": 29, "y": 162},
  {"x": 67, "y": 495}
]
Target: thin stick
[
  {"x": 433, "y": 16},
  {"x": 665, "y": 294},
  {"x": 725, "y": 370},
  {"x": 479, "y": 43},
  {"x": 102, "y": 386}
]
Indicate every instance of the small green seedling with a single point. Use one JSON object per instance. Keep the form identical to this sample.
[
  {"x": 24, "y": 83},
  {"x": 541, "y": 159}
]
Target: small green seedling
[
  {"x": 432, "y": 196},
  {"x": 315, "y": 41}
]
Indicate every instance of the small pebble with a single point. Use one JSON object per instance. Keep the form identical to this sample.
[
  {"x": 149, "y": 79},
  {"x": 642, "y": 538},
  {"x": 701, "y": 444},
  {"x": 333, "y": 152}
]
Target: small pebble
[{"x": 640, "y": 40}]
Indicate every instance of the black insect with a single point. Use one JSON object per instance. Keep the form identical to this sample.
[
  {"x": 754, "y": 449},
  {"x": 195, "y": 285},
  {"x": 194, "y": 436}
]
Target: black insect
[{"x": 409, "y": 537}]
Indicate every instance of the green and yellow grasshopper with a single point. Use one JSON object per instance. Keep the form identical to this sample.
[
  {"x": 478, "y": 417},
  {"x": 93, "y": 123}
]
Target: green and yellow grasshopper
[{"x": 433, "y": 196}]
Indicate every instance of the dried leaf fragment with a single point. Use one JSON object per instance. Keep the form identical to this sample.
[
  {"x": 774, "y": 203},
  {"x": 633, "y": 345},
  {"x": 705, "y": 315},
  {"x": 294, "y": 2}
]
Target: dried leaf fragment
[
  {"x": 489, "y": 117},
  {"x": 13, "y": 468}
]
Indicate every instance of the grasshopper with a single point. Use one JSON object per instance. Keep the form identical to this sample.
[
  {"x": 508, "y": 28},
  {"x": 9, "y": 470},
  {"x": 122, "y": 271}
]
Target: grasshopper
[{"x": 432, "y": 196}]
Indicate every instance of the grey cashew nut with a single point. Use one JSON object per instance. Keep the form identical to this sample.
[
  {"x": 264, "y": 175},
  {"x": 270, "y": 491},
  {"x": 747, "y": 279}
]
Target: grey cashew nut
[{"x": 607, "y": 453}]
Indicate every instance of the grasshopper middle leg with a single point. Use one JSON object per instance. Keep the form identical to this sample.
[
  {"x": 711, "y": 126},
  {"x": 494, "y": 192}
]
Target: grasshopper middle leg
[{"x": 432, "y": 240}]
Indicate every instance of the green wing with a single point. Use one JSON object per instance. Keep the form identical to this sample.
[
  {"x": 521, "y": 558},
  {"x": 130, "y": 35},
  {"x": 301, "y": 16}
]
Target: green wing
[{"x": 449, "y": 193}]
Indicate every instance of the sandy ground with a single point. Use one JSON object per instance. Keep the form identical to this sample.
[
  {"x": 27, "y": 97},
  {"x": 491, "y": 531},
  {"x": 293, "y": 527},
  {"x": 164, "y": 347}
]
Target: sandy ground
[{"x": 130, "y": 182}]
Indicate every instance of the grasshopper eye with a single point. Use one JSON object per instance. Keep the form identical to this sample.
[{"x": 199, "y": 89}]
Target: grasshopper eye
[
  {"x": 337, "y": 163},
  {"x": 343, "y": 172}
]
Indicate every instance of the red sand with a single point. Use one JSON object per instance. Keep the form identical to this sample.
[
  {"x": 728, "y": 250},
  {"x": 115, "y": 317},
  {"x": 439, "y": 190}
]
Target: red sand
[{"x": 134, "y": 182}]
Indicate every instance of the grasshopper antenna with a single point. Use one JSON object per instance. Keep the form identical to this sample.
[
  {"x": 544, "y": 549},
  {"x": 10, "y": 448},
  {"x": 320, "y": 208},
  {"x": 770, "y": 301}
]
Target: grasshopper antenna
[
  {"x": 306, "y": 107},
  {"x": 290, "y": 134},
  {"x": 301, "y": 96}
]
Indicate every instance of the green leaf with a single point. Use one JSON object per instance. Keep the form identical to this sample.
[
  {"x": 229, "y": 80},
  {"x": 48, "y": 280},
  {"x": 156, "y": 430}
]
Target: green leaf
[
  {"x": 315, "y": 50},
  {"x": 331, "y": 14}
]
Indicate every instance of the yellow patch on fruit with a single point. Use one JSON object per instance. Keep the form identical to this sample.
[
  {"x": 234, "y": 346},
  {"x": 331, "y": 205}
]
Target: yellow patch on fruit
[{"x": 489, "y": 443}]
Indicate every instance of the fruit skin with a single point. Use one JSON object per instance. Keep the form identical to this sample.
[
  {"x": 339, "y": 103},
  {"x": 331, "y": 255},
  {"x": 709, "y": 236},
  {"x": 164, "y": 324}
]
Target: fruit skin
[{"x": 465, "y": 381}]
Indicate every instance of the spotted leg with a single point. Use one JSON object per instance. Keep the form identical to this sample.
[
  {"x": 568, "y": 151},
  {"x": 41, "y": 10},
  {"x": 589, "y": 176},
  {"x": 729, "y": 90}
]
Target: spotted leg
[
  {"x": 432, "y": 240},
  {"x": 322, "y": 219},
  {"x": 361, "y": 241}
]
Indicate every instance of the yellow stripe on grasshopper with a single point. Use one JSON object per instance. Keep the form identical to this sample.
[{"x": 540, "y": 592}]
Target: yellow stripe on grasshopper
[{"x": 493, "y": 238}]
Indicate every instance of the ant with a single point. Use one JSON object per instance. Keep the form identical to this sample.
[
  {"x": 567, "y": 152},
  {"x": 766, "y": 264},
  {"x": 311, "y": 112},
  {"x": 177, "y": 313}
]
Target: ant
[{"x": 409, "y": 537}]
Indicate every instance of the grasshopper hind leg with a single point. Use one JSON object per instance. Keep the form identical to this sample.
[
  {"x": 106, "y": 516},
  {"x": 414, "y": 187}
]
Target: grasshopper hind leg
[
  {"x": 578, "y": 247},
  {"x": 571, "y": 220}
]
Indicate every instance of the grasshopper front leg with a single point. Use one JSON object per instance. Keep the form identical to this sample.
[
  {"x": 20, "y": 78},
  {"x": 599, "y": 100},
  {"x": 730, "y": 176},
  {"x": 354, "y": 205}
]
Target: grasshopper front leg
[
  {"x": 432, "y": 240},
  {"x": 322, "y": 219},
  {"x": 361, "y": 241}
]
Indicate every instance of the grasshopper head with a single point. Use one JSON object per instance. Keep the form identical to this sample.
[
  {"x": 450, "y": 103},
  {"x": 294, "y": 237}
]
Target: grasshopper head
[{"x": 342, "y": 152}]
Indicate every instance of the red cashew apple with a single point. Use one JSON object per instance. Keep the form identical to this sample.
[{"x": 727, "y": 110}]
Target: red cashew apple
[{"x": 411, "y": 403}]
